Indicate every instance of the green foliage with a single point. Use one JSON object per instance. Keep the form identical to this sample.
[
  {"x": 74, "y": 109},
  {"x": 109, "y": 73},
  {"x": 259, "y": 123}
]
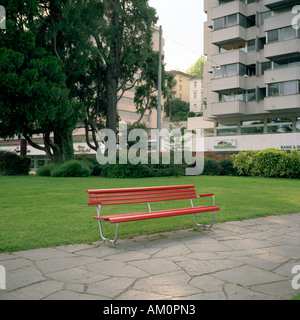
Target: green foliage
[
  {"x": 270, "y": 162},
  {"x": 176, "y": 107},
  {"x": 12, "y": 164},
  {"x": 212, "y": 167},
  {"x": 142, "y": 170},
  {"x": 196, "y": 70},
  {"x": 244, "y": 162},
  {"x": 45, "y": 171},
  {"x": 73, "y": 168}
]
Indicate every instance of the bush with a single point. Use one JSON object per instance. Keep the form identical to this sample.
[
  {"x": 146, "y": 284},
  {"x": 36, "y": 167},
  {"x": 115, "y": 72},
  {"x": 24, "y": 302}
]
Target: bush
[
  {"x": 45, "y": 171},
  {"x": 271, "y": 163},
  {"x": 244, "y": 162},
  {"x": 212, "y": 167},
  {"x": 227, "y": 168},
  {"x": 12, "y": 164},
  {"x": 73, "y": 168}
]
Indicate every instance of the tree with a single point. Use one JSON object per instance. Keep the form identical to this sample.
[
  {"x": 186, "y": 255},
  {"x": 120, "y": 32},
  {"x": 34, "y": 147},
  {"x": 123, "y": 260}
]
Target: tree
[
  {"x": 196, "y": 70},
  {"x": 176, "y": 106},
  {"x": 125, "y": 56},
  {"x": 39, "y": 57}
]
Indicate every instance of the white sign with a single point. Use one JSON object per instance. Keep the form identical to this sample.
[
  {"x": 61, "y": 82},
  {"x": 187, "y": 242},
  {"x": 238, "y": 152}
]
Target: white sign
[{"x": 225, "y": 143}]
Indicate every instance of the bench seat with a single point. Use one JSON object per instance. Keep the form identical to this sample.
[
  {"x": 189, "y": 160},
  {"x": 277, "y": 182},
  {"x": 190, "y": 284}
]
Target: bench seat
[{"x": 127, "y": 217}]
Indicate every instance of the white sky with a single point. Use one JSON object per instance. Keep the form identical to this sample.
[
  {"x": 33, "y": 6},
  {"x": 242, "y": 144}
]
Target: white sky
[{"x": 182, "y": 24}]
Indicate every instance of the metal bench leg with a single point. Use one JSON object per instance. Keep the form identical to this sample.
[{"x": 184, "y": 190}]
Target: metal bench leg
[
  {"x": 203, "y": 225},
  {"x": 113, "y": 242}
]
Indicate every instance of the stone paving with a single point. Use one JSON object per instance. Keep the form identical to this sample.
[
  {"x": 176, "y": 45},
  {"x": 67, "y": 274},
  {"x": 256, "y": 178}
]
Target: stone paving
[{"x": 248, "y": 260}]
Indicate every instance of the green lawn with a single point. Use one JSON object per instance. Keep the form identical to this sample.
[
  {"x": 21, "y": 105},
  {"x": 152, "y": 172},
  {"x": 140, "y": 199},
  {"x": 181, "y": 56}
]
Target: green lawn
[{"x": 41, "y": 212}]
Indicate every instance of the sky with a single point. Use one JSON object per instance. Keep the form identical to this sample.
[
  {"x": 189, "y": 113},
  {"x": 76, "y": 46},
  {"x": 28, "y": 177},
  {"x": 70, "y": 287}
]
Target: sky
[{"x": 182, "y": 24}]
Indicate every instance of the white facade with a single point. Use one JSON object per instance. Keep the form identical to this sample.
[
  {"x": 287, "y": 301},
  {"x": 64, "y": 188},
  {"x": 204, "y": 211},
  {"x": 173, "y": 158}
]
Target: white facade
[{"x": 196, "y": 95}]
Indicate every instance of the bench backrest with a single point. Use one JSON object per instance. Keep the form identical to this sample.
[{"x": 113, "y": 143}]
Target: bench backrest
[{"x": 107, "y": 197}]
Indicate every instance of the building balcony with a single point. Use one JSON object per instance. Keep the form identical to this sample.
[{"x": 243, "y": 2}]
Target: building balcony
[
  {"x": 228, "y": 9},
  {"x": 234, "y": 82},
  {"x": 282, "y": 48},
  {"x": 231, "y": 34},
  {"x": 272, "y": 4},
  {"x": 283, "y": 103},
  {"x": 279, "y": 21},
  {"x": 230, "y": 57},
  {"x": 228, "y": 34},
  {"x": 232, "y": 108},
  {"x": 282, "y": 74}
]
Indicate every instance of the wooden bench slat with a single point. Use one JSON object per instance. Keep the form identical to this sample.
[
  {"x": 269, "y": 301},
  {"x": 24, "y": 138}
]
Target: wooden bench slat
[
  {"x": 143, "y": 198},
  {"x": 161, "y": 214},
  {"x": 144, "y": 193},
  {"x": 107, "y": 203},
  {"x": 139, "y": 189},
  {"x": 169, "y": 211}
]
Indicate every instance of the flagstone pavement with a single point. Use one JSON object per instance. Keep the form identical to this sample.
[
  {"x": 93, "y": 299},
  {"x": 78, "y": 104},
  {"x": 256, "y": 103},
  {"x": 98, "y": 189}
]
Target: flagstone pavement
[{"x": 247, "y": 260}]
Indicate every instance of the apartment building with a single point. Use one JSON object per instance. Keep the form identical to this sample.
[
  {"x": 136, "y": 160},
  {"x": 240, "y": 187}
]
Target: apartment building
[
  {"x": 181, "y": 85},
  {"x": 252, "y": 77}
]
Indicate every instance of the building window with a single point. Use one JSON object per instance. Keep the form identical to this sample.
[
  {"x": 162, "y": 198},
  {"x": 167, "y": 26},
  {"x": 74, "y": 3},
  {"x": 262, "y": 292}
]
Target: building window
[
  {"x": 234, "y": 20},
  {"x": 287, "y": 33},
  {"x": 265, "y": 66},
  {"x": 227, "y": 129},
  {"x": 298, "y": 124},
  {"x": 195, "y": 84},
  {"x": 234, "y": 69},
  {"x": 287, "y": 62},
  {"x": 252, "y": 127},
  {"x": 280, "y": 125},
  {"x": 283, "y": 88},
  {"x": 238, "y": 95}
]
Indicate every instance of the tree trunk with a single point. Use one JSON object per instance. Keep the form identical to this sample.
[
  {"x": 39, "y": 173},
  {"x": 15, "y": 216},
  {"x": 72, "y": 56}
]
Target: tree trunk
[
  {"x": 64, "y": 146},
  {"x": 112, "y": 99},
  {"x": 23, "y": 147}
]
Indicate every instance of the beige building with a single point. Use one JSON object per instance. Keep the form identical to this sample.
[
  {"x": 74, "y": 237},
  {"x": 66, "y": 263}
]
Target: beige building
[
  {"x": 181, "y": 85},
  {"x": 252, "y": 77},
  {"x": 126, "y": 106},
  {"x": 196, "y": 95}
]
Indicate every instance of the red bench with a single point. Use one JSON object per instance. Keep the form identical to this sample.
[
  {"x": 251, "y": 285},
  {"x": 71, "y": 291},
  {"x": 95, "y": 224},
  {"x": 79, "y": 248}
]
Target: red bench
[{"x": 108, "y": 197}]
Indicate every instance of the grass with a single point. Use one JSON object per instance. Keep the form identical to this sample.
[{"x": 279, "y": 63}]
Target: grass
[
  {"x": 43, "y": 212},
  {"x": 297, "y": 298}
]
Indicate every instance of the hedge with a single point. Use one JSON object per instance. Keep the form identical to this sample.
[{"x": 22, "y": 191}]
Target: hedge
[
  {"x": 270, "y": 163},
  {"x": 12, "y": 164}
]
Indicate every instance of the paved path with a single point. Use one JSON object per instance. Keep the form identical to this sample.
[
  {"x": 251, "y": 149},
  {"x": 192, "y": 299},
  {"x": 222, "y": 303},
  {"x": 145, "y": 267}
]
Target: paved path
[{"x": 245, "y": 260}]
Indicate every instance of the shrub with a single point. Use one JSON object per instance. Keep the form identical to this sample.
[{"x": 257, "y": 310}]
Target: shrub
[
  {"x": 45, "y": 171},
  {"x": 212, "y": 167},
  {"x": 269, "y": 163},
  {"x": 227, "y": 168},
  {"x": 73, "y": 168},
  {"x": 12, "y": 164},
  {"x": 244, "y": 162}
]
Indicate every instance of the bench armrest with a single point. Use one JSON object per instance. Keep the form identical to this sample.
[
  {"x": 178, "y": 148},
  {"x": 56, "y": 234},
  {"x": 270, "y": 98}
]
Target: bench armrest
[{"x": 205, "y": 195}]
